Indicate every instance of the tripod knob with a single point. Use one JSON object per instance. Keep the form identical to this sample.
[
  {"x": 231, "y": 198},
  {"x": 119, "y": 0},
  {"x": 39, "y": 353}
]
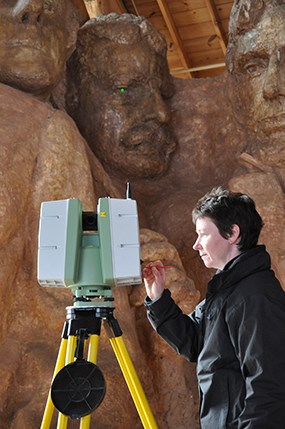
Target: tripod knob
[{"x": 78, "y": 389}]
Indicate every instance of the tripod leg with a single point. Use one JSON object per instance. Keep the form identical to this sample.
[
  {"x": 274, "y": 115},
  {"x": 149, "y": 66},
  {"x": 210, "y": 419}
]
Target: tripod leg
[
  {"x": 133, "y": 383},
  {"x": 62, "y": 420},
  {"x": 92, "y": 357},
  {"x": 93, "y": 348},
  {"x": 48, "y": 413}
]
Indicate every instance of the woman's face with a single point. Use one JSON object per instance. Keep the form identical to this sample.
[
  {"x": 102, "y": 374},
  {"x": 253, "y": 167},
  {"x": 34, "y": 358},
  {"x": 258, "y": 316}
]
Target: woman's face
[{"x": 214, "y": 250}]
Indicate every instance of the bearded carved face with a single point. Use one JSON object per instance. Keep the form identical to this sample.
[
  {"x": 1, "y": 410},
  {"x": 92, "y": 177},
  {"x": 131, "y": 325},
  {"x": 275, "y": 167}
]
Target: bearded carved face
[
  {"x": 122, "y": 108},
  {"x": 36, "y": 37}
]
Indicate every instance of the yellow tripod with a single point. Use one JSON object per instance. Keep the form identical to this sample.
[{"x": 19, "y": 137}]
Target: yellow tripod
[{"x": 78, "y": 385}]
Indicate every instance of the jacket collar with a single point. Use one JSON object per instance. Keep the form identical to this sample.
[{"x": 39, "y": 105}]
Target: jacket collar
[{"x": 248, "y": 262}]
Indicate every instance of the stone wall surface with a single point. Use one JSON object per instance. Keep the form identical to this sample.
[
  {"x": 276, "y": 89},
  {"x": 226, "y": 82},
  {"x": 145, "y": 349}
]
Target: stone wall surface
[{"x": 44, "y": 157}]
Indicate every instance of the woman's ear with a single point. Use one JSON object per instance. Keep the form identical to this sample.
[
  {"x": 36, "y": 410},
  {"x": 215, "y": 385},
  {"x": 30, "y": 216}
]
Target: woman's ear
[{"x": 235, "y": 233}]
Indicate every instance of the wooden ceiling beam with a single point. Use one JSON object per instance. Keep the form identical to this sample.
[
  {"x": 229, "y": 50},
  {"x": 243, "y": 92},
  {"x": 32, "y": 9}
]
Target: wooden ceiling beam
[
  {"x": 198, "y": 68},
  {"x": 217, "y": 24},
  {"x": 174, "y": 33},
  {"x": 97, "y": 7}
]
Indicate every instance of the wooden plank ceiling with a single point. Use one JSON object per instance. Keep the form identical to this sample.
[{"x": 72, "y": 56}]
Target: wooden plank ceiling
[{"x": 196, "y": 31}]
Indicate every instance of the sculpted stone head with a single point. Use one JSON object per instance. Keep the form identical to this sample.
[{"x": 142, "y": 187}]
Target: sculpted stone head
[
  {"x": 36, "y": 38},
  {"x": 118, "y": 84},
  {"x": 256, "y": 60}
]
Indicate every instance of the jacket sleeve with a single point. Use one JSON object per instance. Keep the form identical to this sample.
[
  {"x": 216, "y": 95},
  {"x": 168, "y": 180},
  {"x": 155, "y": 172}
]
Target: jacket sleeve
[
  {"x": 179, "y": 330},
  {"x": 260, "y": 348}
]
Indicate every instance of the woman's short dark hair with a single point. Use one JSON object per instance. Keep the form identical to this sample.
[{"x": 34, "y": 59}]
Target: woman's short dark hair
[{"x": 226, "y": 208}]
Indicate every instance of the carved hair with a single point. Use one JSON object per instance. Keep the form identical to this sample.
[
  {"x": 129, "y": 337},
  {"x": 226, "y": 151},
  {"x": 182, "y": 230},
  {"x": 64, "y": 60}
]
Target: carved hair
[{"x": 124, "y": 29}]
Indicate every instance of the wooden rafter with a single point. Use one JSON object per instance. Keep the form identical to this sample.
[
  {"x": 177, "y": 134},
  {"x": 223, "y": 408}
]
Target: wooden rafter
[
  {"x": 97, "y": 7},
  {"x": 217, "y": 24},
  {"x": 174, "y": 33}
]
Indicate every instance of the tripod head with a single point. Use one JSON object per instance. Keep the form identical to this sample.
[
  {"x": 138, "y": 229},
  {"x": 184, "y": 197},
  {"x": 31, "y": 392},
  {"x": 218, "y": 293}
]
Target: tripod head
[{"x": 89, "y": 252}]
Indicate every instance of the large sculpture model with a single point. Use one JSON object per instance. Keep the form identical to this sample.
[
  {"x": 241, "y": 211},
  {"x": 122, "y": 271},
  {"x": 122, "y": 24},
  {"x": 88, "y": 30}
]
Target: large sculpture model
[
  {"x": 255, "y": 59},
  {"x": 174, "y": 139},
  {"x": 43, "y": 157}
]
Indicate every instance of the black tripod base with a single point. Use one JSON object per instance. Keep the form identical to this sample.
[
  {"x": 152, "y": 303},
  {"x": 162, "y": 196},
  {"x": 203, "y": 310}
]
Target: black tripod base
[
  {"x": 78, "y": 389},
  {"x": 79, "y": 386}
]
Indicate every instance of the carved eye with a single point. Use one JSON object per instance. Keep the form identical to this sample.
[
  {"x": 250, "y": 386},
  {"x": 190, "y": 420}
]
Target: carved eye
[
  {"x": 122, "y": 89},
  {"x": 256, "y": 67}
]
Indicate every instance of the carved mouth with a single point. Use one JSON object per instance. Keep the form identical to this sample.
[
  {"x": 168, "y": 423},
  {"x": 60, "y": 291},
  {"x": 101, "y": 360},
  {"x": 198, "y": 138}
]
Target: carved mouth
[{"x": 33, "y": 45}]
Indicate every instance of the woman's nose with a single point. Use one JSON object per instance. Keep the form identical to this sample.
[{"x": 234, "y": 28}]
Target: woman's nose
[{"x": 196, "y": 245}]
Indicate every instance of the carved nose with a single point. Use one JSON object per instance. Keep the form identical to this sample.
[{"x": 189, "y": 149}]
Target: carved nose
[
  {"x": 31, "y": 18},
  {"x": 274, "y": 85},
  {"x": 156, "y": 108},
  {"x": 29, "y": 12},
  {"x": 162, "y": 110}
]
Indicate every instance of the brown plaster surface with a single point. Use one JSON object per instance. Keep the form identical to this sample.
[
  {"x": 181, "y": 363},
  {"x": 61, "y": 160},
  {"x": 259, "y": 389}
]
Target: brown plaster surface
[{"x": 43, "y": 157}]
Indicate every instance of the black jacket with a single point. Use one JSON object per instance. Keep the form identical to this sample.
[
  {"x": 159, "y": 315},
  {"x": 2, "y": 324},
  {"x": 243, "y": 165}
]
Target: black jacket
[{"x": 237, "y": 337}]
